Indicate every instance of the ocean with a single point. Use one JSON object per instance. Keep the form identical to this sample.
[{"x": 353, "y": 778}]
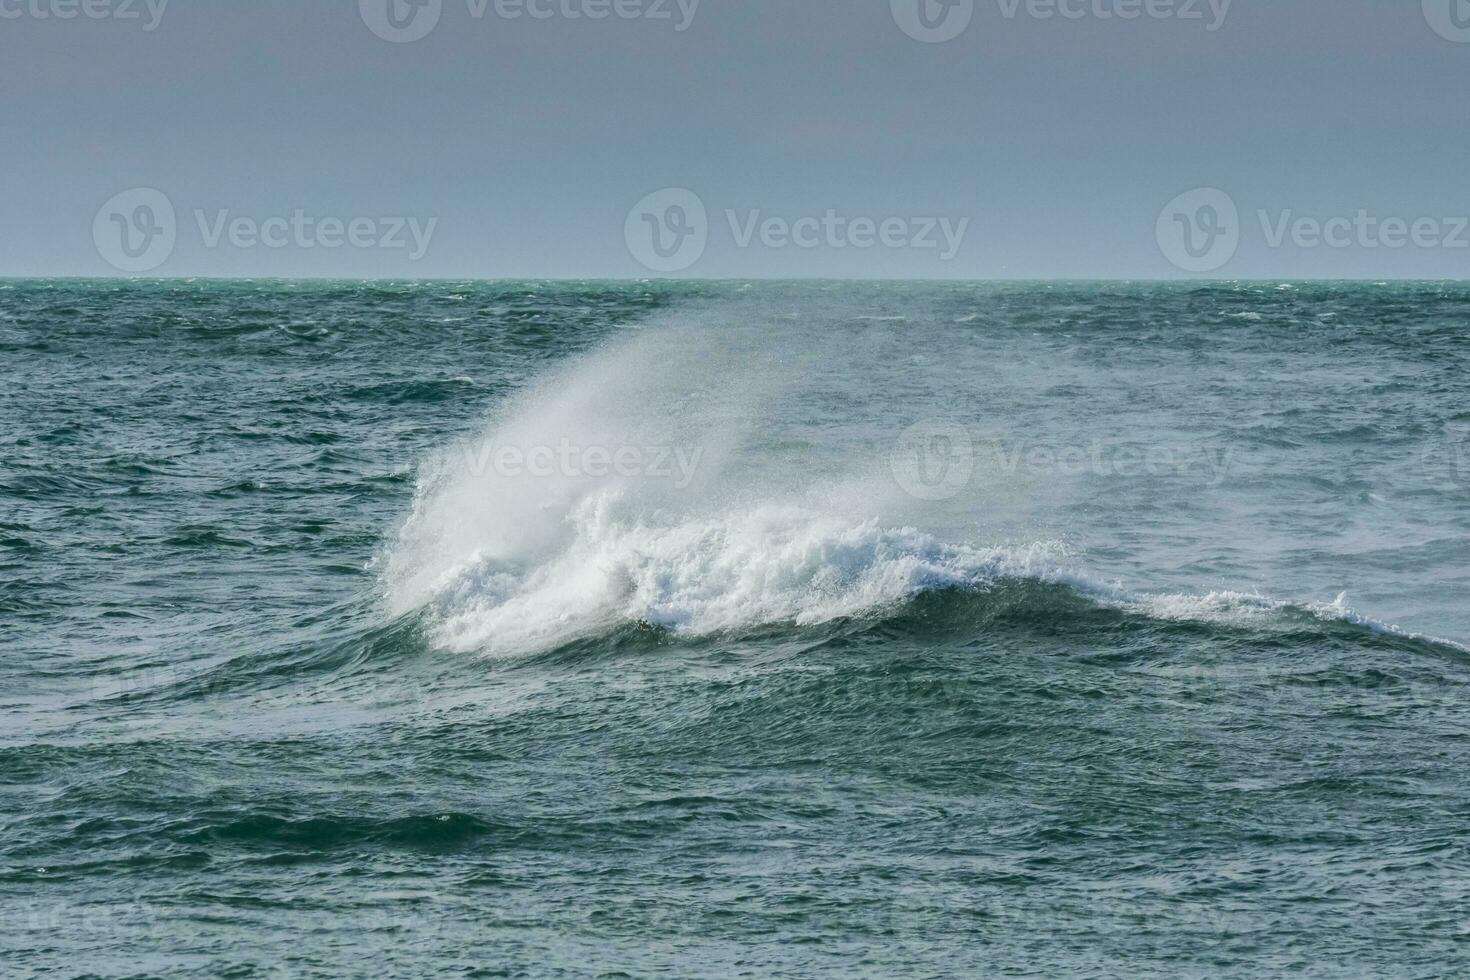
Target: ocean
[{"x": 610, "y": 629}]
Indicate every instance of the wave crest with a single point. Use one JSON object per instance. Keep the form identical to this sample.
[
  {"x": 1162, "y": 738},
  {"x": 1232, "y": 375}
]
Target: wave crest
[
  {"x": 769, "y": 564},
  {"x": 756, "y": 534}
]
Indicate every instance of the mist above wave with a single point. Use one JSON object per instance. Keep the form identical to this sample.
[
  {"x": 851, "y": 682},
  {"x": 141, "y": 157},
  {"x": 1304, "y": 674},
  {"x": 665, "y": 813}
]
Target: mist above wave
[
  {"x": 641, "y": 484},
  {"x": 709, "y": 477}
]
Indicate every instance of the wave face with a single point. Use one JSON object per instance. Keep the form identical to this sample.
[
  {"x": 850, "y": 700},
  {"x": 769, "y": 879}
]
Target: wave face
[
  {"x": 703, "y": 532},
  {"x": 684, "y": 478},
  {"x": 777, "y": 629},
  {"x": 772, "y": 564}
]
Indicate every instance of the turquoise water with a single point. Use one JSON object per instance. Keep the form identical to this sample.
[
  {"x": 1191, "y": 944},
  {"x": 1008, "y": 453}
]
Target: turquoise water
[{"x": 822, "y": 629}]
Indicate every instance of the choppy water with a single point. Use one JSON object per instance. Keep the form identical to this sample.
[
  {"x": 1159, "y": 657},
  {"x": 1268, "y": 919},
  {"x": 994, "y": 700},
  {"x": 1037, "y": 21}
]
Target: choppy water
[{"x": 536, "y": 629}]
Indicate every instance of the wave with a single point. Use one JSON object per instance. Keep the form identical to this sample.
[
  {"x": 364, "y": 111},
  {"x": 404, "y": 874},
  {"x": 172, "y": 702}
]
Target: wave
[
  {"x": 770, "y": 564},
  {"x": 727, "y": 539},
  {"x": 785, "y": 565},
  {"x": 711, "y": 527},
  {"x": 1253, "y": 609}
]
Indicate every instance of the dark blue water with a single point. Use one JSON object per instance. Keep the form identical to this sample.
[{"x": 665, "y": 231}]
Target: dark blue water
[{"x": 811, "y": 629}]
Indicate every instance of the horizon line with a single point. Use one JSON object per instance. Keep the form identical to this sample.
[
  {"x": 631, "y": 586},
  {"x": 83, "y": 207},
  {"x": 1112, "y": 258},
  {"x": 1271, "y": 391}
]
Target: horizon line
[{"x": 721, "y": 279}]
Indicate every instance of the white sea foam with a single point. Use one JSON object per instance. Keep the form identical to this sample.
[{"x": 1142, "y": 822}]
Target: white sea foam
[
  {"x": 508, "y": 562},
  {"x": 1244, "y": 608},
  {"x": 769, "y": 564}
]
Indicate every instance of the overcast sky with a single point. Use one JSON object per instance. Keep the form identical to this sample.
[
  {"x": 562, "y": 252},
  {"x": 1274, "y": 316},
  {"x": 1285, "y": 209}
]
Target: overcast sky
[{"x": 1024, "y": 146}]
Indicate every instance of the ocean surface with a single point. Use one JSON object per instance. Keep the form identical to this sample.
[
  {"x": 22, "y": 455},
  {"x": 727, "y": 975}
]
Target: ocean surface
[{"x": 736, "y": 629}]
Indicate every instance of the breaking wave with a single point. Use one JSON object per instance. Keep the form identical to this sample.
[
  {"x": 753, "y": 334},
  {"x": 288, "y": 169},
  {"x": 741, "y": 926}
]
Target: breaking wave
[{"x": 657, "y": 502}]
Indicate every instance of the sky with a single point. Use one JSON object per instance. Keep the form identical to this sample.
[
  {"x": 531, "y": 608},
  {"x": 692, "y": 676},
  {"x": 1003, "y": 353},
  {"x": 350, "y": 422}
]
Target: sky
[{"x": 947, "y": 139}]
